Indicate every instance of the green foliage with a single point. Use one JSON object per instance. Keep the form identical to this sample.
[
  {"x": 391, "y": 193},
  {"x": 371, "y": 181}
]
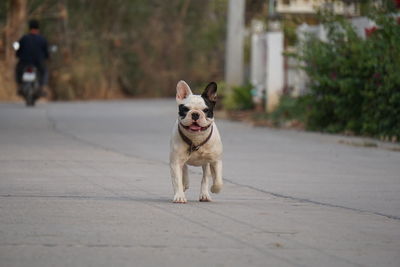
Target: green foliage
[
  {"x": 239, "y": 98},
  {"x": 289, "y": 29},
  {"x": 132, "y": 74},
  {"x": 289, "y": 109},
  {"x": 3, "y": 12},
  {"x": 355, "y": 83}
]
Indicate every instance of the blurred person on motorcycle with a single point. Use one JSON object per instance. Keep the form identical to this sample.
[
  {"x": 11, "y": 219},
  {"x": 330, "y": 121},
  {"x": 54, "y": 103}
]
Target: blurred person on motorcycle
[{"x": 33, "y": 50}]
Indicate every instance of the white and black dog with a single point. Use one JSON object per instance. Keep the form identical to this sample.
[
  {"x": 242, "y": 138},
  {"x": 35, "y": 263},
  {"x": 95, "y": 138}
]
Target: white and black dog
[{"x": 195, "y": 141}]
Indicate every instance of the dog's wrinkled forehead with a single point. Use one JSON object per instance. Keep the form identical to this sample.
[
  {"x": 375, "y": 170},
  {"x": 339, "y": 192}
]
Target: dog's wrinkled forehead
[{"x": 195, "y": 102}]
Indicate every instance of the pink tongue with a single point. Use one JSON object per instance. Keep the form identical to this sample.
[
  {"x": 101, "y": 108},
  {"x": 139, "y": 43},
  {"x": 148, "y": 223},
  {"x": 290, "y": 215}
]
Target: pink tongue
[{"x": 194, "y": 127}]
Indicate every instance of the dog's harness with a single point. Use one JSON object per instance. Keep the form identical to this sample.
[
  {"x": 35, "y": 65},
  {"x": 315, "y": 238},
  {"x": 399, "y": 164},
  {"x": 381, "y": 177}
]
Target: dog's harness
[{"x": 193, "y": 147}]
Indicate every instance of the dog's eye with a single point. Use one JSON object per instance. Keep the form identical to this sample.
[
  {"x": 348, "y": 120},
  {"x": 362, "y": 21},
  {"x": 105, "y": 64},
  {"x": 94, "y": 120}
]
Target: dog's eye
[
  {"x": 183, "y": 110},
  {"x": 205, "y": 110}
]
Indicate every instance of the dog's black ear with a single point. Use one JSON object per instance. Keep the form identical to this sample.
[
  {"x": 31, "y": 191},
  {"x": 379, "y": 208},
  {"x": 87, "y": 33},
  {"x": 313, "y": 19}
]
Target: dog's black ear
[{"x": 210, "y": 92}]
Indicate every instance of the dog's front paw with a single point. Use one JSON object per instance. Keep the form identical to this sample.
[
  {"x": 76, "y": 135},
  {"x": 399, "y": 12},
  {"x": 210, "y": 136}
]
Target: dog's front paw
[
  {"x": 205, "y": 197},
  {"x": 180, "y": 198},
  {"x": 216, "y": 188}
]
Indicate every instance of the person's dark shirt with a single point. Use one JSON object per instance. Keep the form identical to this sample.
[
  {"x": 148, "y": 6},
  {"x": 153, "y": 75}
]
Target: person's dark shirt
[{"x": 33, "y": 49}]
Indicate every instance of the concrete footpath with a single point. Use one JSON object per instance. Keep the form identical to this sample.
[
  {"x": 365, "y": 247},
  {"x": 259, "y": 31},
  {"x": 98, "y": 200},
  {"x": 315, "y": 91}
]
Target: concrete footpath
[{"x": 87, "y": 184}]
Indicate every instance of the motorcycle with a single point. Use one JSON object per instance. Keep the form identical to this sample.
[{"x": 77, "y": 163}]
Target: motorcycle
[{"x": 30, "y": 88}]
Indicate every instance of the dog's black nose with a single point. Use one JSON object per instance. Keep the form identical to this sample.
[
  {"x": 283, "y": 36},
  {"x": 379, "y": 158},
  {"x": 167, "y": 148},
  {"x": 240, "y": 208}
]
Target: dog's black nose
[{"x": 195, "y": 116}]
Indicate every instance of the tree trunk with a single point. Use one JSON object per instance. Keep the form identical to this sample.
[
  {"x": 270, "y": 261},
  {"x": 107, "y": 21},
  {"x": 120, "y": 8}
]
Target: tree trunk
[
  {"x": 235, "y": 42},
  {"x": 16, "y": 23}
]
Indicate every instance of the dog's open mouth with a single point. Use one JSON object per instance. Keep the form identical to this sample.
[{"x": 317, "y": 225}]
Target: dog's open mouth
[{"x": 194, "y": 127}]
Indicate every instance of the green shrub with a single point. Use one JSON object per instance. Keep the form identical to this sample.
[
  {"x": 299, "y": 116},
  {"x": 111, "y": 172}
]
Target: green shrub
[
  {"x": 239, "y": 98},
  {"x": 355, "y": 83},
  {"x": 290, "y": 108}
]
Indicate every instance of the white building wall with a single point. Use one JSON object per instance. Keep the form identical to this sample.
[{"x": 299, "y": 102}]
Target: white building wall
[
  {"x": 311, "y": 6},
  {"x": 274, "y": 69},
  {"x": 258, "y": 65}
]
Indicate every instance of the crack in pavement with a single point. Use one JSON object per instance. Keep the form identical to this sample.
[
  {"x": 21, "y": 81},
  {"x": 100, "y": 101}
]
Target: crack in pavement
[{"x": 53, "y": 125}]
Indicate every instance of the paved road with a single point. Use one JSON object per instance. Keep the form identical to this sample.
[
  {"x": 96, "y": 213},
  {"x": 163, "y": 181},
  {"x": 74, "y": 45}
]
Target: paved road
[{"x": 87, "y": 184}]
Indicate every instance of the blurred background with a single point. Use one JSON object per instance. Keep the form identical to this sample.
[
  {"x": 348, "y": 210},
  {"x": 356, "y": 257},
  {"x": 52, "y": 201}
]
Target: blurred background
[
  {"x": 326, "y": 65},
  {"x": 120, "y": 48}
]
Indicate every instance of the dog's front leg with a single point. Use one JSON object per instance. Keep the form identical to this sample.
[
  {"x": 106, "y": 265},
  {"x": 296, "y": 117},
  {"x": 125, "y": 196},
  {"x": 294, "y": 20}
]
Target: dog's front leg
[
  {"x": 176, "y": 175},
  {"x": 204, "y": 195},
  {"x": 216, "y": 172}
]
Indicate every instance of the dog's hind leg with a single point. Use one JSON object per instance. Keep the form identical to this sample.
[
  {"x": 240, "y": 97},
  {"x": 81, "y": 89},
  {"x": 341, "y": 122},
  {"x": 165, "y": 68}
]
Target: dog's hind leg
[
  {"x": 204, "y": 195},
  {"x": 216, "y": 172},
  {"x": 185, "y": 177}
]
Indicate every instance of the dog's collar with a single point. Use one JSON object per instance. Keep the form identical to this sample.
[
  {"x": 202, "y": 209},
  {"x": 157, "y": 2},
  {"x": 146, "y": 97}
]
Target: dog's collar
[{"x": 193, "y": 147}]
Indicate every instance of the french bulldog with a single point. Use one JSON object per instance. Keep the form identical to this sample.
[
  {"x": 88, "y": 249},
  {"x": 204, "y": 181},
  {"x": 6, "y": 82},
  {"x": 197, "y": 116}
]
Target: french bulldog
[{"x": 196, "y": 142}]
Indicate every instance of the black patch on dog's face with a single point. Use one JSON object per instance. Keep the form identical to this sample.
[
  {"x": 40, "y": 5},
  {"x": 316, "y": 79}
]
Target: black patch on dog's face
[
  {"x": 183, "y": 110},
  {"x": 210, "y": 95},
  {"x": 209, "y": 111}
]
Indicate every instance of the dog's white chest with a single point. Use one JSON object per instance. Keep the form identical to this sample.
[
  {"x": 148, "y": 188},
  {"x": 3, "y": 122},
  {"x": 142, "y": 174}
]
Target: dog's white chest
[{"x": 202, "y": 157}]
